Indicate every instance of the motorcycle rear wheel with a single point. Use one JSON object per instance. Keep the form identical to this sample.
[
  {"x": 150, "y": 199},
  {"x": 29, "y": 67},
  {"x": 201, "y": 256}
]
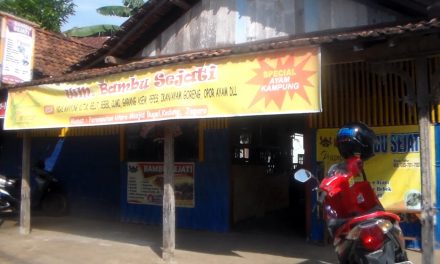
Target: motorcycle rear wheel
[{"x": 4, "y": 205}]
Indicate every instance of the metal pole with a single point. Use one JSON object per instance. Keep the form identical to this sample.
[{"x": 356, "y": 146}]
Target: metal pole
[
  {"x": 169, "y": 214},
  {"x": 423, "y": 100}
]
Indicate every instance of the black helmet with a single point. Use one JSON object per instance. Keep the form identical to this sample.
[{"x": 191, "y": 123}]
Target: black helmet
[{"x": 356, "y": 139}]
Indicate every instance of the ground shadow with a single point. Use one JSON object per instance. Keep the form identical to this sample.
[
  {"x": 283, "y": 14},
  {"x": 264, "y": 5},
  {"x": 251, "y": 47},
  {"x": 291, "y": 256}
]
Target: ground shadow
[{"x": 235, "y": 243}]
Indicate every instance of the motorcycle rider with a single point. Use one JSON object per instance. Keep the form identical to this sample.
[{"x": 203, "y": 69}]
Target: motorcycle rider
[
  {"x": 362, "y": 231},
  {"x": 355, "y": 143},
  {"x": 350, "y": 198},
  {"x": 40, "y": 182}
]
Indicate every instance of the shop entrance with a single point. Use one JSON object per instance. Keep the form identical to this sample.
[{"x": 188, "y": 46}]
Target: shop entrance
[{"x": 265, "y": 153}]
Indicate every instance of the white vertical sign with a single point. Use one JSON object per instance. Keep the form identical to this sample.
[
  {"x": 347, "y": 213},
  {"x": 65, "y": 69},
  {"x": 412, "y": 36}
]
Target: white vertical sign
[{"x": 18, "y": 53}]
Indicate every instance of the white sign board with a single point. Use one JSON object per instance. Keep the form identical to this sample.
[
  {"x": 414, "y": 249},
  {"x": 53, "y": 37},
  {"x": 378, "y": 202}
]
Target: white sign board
[{"x": 18, "y": 51}]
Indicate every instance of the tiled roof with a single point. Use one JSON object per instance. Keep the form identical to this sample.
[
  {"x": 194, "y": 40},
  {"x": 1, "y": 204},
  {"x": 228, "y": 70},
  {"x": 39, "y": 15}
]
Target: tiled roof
[
  {"x": 329, "y": 37},
  {"x": 54, "y": 53},
  {"x": 95, "y": 42}
]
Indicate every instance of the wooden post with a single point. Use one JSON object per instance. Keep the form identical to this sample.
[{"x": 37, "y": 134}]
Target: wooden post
[
  {"x": 423, "y": 103},
  {"x": 169, "y": 216},
  {"x": 25, "y": 205}
]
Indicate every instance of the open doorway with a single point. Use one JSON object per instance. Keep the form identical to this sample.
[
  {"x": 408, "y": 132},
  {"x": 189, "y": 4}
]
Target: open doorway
[{"x": 265, "y": 153}]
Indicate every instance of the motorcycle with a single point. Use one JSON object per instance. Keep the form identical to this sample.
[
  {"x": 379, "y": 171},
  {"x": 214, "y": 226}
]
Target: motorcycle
[
  {"x": 47, "y": 196},
  {"x": 362, "y": 231}
]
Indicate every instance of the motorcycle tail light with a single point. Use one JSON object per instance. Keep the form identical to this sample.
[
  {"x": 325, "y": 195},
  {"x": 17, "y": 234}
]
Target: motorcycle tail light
[
  {"x": 371, "y": 234},
  {"x": 372, "y": 237}
]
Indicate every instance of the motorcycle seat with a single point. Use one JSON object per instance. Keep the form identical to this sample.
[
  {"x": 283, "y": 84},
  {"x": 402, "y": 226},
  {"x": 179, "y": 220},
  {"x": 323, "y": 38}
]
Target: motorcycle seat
[{"x": 334, "y": 224}]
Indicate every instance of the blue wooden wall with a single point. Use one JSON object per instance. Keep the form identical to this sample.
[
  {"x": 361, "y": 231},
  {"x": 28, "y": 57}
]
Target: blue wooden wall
[
  {"x": 87, "y": 167},
  {"x": 95, "y": 180},
  {"x": 211, "y": 187},
  {"x": 90, "y": 167}
]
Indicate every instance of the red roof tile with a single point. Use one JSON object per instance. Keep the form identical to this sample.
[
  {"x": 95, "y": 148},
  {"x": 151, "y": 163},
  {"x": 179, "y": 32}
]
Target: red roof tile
[
  {"x": 95, "y": 42},
  {"x": 54, "y": 53}
]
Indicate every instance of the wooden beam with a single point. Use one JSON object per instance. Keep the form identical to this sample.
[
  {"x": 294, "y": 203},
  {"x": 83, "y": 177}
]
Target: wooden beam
[
  {"x": 403, "y": 7},
  {"x": 25, "y": 205},
  {"x": 182, "y": 4},
  {"x": 169, "y": 213},
  {"x": 423, "y": 99},
  {"x": 406, "y": 48},
  {"x": 299, "y": 17}
]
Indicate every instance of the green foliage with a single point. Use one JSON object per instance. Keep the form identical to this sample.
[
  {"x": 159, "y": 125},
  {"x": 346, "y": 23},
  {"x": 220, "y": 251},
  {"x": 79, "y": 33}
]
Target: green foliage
[
  {"x": 133, "y": 4},
  {"x": 92, "y": 31},
  {"x": 120, "y": 11},
  {"x": 49, "y": 14},
  {"x": 129, "y": 8}
]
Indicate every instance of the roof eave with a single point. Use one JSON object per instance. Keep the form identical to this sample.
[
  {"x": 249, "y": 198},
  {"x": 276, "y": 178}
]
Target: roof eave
[{"x": 322, "y": 38}]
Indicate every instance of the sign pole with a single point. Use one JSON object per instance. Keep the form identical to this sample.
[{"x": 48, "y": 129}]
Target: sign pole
[
  {"x": 25, "y": 204},
  {"x": 169, "y": 214},
  {"x": 423, "y": 100}
]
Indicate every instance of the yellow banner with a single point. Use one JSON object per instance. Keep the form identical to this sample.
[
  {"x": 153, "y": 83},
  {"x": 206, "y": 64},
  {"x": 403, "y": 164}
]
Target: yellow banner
[
  {"x": 263, "y": 84},
  {"x": 394, "y": 171}
]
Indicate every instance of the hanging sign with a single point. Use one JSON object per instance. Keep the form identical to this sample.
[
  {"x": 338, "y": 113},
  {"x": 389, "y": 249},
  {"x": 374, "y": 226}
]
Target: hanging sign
[
  {"x": 17, "y": 54},
  {"x": 394, "y": 171},
  {"x": 264, "y": 84},
  {"x": 145, "y": 183}
]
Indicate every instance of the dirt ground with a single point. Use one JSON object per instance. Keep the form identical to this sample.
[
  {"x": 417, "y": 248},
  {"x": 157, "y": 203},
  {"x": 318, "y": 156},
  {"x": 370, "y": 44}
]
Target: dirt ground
[{"x": 75, "y": 240}]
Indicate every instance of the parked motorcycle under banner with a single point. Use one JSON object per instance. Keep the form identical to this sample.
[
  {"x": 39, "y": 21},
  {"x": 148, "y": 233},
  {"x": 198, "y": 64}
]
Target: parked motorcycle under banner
[
  {"x": 47, "y": 195},
  {"x": 370, "y": 235}
]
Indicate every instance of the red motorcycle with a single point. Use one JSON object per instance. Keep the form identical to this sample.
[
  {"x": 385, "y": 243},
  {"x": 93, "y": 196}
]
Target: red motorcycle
[{"x": 362, "y": 231}]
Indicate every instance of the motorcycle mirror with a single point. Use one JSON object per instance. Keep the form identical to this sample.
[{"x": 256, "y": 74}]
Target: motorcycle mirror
[{"x": 302, "y": 175}]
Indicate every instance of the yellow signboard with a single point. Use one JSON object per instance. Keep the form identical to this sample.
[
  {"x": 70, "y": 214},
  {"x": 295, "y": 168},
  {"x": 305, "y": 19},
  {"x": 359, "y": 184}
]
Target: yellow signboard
[
  {"x": 394, "y": 171},
  {"x": 263, "y": 84}
]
